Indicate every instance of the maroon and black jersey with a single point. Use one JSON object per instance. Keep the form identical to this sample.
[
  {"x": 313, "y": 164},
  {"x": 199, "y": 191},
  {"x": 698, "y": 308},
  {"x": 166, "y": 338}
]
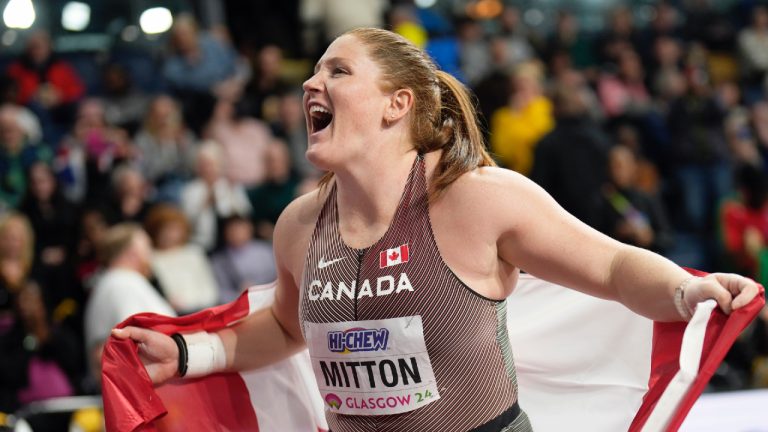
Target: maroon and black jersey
[{"x": 402, "y": 275}]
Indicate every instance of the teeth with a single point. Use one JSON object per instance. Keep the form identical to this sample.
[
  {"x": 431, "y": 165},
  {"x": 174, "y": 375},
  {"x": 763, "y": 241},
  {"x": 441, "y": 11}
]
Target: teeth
[{"x": 318, "y": 108}]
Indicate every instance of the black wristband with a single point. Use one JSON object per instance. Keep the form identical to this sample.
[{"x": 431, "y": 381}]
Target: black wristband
[{"x": 183, "y": 353}]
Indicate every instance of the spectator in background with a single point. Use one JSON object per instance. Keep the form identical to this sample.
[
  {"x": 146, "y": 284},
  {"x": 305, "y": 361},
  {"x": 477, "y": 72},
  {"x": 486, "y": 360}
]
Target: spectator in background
[
  {"x": 27, "y": 119},
  {"x": 243, "y": 140},
  {"x": 744, "y": 221},
  {"x": 512, "y": 38},
  {"x": 54, "y": 221},
  {"x": 166, "y": 148},
  {"x": 47, "y": 84},
  {"x": 619, "y": 36},
  {"x": 571, "y": 161},
  {"x": 324, "y": 20},
  {"x": 664, "y": 24},
  {"x": 291, "y": 127},
  {"x": 518, "y": 127},
  {"x": 40, "y": 359},
  {"x": 270, "y": 199},
  {"x": 201, "y": 69},
  {"x": 17, "y": 155},
  {"x": 475, "y": 58},
  {"x": 211, "y": 196},
  {"x": 624, "y": 95},
  {"x": 123, "y": 289},
  {"x": 569, "y": 38},
  {"x": 630, "y": 215},
  {"x": 262, "y": 91},
  {"x": 17, "y": 248},
  {"x": 243, "y": 261},
  {"x": 753, "y": 49},
  {"x": 128, "y": 201},
  {"x": 182, "y": 269},
  {"x": 91, "y": 229},
  {"x": 700, "y": 155},
  {"x": 124, "y": 104},
  {"x": 667, "y": 61},
  {"x": 86, "y": 157}
]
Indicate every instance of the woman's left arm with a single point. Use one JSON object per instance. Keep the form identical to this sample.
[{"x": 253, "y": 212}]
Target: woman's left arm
[{"x": 540, "y": 237}]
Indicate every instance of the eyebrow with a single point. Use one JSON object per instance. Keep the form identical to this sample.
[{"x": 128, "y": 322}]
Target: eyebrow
[{"x": 330, "y": 60}]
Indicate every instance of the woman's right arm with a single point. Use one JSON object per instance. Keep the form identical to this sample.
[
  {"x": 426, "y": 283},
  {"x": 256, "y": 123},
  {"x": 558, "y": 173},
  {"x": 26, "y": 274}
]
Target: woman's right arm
[{"x": 268, "y": 335}]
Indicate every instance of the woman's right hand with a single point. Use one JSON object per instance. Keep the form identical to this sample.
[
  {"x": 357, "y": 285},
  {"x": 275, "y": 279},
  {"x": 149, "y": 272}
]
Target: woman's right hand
[{"x": 158, "y": 352}]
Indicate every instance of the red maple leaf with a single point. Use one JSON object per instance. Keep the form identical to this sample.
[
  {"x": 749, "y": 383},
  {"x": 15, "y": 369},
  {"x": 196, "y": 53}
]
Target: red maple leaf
[{"x": 393, "y": 256}]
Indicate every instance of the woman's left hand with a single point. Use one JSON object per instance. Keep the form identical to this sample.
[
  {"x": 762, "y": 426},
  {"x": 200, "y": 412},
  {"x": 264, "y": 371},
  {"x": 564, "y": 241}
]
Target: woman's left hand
[{"x": 731, "y": 291}]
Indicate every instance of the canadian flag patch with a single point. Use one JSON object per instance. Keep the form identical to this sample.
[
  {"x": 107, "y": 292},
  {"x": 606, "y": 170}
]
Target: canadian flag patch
[{"x": 394, "y": 256}]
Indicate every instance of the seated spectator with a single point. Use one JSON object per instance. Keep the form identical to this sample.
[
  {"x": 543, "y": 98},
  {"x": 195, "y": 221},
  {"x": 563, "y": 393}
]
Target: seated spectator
[
  {"x": 271, "y": 198},
  {"x": 28, "y": 120},
  {"x": 124, "y": 104},
  {"x": 47, "y": 84},
  {"x": 243, "y": 262},
  {"x": 200, "y": 70},
  {"x": 211, "y": 196},
  {"x": 263, "y": 89},
  {"x": 291, "y": 127},
  {"x": 244, "y": 141},
  {"x": 630, "y": 215},
  {"x": 129, "y": 199},
  {"x": 40, "y": 360},
  {"x": 92, "y": 226},
  {"x": 624, "y": 94},
  {"x": 518, "y": 127},
  {"x": 88, "y": 154},
  {"x": 618, "y": 36},
  {"x": 167, "y": 148},
  {"x": 17, "y": 155},
  {"x": 123, "y": 289},
  {"x": 182, "y": 269},
  {"x": 54, "y": 222}
]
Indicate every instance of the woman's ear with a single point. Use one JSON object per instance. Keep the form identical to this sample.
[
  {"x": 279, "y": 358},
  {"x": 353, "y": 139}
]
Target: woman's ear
[{"x": 401, "y": 102}]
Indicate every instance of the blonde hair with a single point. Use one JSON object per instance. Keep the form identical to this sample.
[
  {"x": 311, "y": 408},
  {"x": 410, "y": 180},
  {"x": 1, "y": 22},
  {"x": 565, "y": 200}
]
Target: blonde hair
[
  {"x": 116, "y": 240},
  {"x": 444, "y": 116}
]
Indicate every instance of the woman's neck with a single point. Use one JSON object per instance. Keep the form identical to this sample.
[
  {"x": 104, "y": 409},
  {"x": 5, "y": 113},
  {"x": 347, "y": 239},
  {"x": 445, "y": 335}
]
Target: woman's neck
[{"x": 368, "y": 196}]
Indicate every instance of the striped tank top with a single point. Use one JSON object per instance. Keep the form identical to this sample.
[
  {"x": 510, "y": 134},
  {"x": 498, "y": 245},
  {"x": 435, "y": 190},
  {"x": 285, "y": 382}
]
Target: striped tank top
[{"x": 403, "y": 275}]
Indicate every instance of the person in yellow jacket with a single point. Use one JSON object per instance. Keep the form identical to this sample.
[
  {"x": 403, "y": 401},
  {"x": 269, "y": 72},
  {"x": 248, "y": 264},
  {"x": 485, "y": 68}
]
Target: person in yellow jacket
[{"x": 518, "y": 127}]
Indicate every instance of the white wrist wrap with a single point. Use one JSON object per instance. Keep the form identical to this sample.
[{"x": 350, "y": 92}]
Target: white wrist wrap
[{"x": 206, "y": 354}]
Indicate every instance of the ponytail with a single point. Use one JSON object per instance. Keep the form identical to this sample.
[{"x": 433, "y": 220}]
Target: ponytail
[{"x": 457, "y": 135}]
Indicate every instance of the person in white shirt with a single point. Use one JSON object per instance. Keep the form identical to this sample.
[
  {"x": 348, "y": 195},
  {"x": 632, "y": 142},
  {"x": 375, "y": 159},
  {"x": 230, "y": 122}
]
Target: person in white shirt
[
  {"x": 123, "y": 289},
  {"x": 211, "y": 196}
]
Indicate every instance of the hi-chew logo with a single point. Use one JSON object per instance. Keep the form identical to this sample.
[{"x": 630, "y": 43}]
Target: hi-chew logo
[
  {"x": 394, "y": 256},
  {"x": 358, "y": 340}
]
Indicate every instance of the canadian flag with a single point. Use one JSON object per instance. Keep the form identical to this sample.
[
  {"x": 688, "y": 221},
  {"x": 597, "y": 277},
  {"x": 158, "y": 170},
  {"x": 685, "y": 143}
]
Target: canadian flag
[{"x": 394, "y": 256}]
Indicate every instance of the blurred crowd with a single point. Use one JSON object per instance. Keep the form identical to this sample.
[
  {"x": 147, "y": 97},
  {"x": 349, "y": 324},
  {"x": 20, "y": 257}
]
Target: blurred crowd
[{"x": 161, "y": 195}]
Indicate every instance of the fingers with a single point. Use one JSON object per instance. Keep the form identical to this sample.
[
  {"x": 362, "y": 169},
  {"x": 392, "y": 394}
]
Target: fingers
[
  {"x": 731, "y": 291},
  {"x": 745, "y": 297},
  {"x": 137, "y": 334}
]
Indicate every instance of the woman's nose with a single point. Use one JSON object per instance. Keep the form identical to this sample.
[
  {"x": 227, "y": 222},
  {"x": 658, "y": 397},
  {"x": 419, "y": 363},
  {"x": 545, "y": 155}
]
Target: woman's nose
[{"x": 312, "y": 83}]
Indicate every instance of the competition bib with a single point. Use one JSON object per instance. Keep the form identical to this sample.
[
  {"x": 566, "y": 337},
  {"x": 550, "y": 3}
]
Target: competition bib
[{"x": 373, "y": 367}]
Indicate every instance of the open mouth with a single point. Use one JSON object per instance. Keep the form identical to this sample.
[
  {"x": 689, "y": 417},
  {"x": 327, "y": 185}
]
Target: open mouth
[{"x": 319, "y": 117}]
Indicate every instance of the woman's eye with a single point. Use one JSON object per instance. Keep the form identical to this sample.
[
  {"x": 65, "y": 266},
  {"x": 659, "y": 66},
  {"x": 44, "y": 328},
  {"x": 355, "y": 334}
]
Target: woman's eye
[{"x": 338, "y": 71}]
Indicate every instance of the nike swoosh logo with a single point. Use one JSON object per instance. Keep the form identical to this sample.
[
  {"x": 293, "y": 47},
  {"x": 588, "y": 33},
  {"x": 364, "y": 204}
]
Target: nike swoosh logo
[{"x": 323, "y": 263}]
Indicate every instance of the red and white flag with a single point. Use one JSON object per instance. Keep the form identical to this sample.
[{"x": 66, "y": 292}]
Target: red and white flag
[
  {"x": 394, "y": 256},
  {"x": 580, "y": 361}
]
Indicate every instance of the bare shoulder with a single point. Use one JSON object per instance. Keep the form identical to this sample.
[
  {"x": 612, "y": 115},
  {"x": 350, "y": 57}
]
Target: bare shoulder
[
  {"x": 294, "y": 229},
  {"x": 490, "y": 187}
]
